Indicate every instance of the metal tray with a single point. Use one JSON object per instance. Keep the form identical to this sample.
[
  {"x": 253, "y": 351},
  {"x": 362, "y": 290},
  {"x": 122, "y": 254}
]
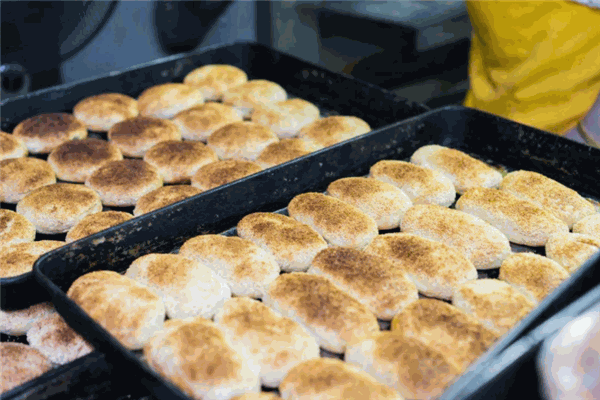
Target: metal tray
[{"x": 495, "y": 140}]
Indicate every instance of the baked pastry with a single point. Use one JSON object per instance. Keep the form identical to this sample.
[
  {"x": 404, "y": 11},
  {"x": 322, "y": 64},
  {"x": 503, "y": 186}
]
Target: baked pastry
[
  {"x": 18, "y": 322},
  {"x": 11, "y": 147},
  {"x": 572, "y": 250},
  {"x": 339, "y": 223},
  {"x": 198, "y": 123},
  {"x": 18, "y": 259},
  {"x": 15, "y": 228},
  {"x": 134, "y": 137},
  {"x": 43, "y": 133},
  {"x": 163, "y": 197},
  {"x": 589, "y": 225},
  {"x": 293, "y": 244},
  {"x": 223, "y": 172},
  {"x": 283, "y": 151},
  {"x": 95, "y": 223},
  {"x": 277, "y": 343},
  {"x": 122, "y": 183},
  {"x": 20, "y": 364},
  {"x": 102, "y": 111},
  {"x": 435, "y": 268},
  {"x": 178, "y": 161},
  {"x": 522, "y": 221},
  {"x": 213, "y": 79},
  {"x": 286, "y": 118},
  {"x": 128, "y": 310},
  {"x": 422, "y": 185},
  {"x": 59, "y": 207},
  {"x": 479, "y": 241},
  {"x": 20, "y": 176},
  {"x": 379, "y": 284},
  {"x": 257, "y": 396},
  {"x": 241, "y": 140},
  {"x": 330, "y": 314},
  {"x": 563, "y": 202},
  {"x": 382, "y": 201},
  {"x": 168, "y": 99},
  {"x": 247, "y": 96},
  {"x": 247, "y": 268},
  {"x": 328, "y": 131}
]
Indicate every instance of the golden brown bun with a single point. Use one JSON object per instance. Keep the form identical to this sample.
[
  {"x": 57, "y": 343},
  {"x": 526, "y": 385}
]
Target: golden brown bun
[
  {"x": 11, "y": 147},
  {"x": 122, "y": 183},
  {"x": 247, "y": 96},
  {"x": 19, "y": 258},
  {"x": 588, "y": 225},
  {"x": 76, "y": 160},
  {"x": 163, "y": 197},
  {"x": 169, "y": 99},
  {"x": 20, "y": 364},
  {"x": 198, "y": 123},
  {"x": 550, "y": 195},
  {"x": 241, "y": 140},
  {"x": 20, "y": 176},
  {"x": 572, "y": 250},
  {"x": 43, "y": 133},
  {"x": 339, "y": 223},
  {"x": 212, "y": 80},
  {"x": 435, "y": 268},
  {"x": 283, "y": 151},
  {"x": 286, "y": 118},
  {"x": 220, "y": 173},
  {"x": 59, "y": 207},
  {"x": 134, "y": 137},
  {"x": 15, "y": 228},
  {"x": 257, "y": 396},
  {"x": 422, "y": 185},
  {"x": 178, "y": 161},
  {"x": 18, "y": 322},
  {"x": 328, "y": 131},
  {"x": 96, "y": 223},
  {"x": 102, "y": 111}
]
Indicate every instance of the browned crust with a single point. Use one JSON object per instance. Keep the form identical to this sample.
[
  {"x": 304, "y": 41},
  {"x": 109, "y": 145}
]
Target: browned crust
[
  {"x": 256, "y": 91},
  {"x": 11, "y": 146},
  {"x": 283, "y": 151},
  {"x": 277, "y": 113},
  {"x": 161, "y": 96},
  {"x": 18, "y": 259},
  {"x": 52, "y": 126},
  {"x": 218, "y": 77},
  {"x": 15, "y": 228},
  {"x": 163, "y": 197},
  {"x": 19, "y": 176},
  {"x": 230, "y": 140},
  {"x": 207, "y": 117},
  {"x": 220, "y": 173},
  {"x": 20, "y": 364},
  {"x": 178, "y": 161},
  {"x": 125, "y": 174},
  {"x": 83, "y": 155},
  {"x": 95, "y": 223},
  {"x": 165, "y": 270},
  {"x": 59, "y": 199},
  {"x": 328, "y": 131},
  {"x": 109, "y": 106},
  {"x": 137, "y": 135}
]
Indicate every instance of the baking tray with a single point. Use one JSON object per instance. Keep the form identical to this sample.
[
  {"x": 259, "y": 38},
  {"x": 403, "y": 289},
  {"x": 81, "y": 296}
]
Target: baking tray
[
  {"x": 333, "y": 93},
  {"x": 493, "y": 139}
]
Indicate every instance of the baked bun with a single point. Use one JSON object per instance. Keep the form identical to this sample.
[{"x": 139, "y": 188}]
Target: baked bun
[
  {"x": 277, "y": 343},
  {"x": 422, "y": 185},
  {"x": 589, "y": 225},
  {"x": 166, "y": 100},
  {"x": 533, "y": 275},
  {"x": 223, "y": 172},
  {"x": 435, "y": 268},
  {"x": 495, "y": 303},
  {"x": 283, "y": 151},
  {"x": 327, "y": 378},
  {"x": 20, "y": 176},
  {"x": 522, "y": 221},
  {"x": 15, "y": 228},
  {"x": 247, "y": 268},
  {"x": 95, "y": 223},
  {"x": 330, "y": 314},
  {"x": 163, "y": 197},
  {"x": 102, "y": 111},
  {"x": 572, "y": 250},
  {"x": 328, "y": 131},
  {"x": 416, "y": 370},
  {"x": 550, "y": 195},
  {"x": 459, "y": 336},
  {"x": 198, "y": 123},
  {"x": 18, "y": 259},
  {"x": 479, "y": 241},
  {"x": 286, "y": 118},
  {"x": 43, "y": 133},
  {"x": 59, "y": 207},
  {"x": 241, "y": 140},
  {"x": 122, "y": 183},
  {"x": 257, "y": 396},
  {"x": 128, "y": 310},
  {"x": 134, "y": 137},
  {"x": 11, "y": 147},
  {"x": 178, "y": 161},
  {"x": 20, "y": 364},
  {"x": 18, "y": 322},
  {"x": 339, "y": 223},
  {"x": 247, "y": 96},
  {"x": 382, "y": 201},
  {"x": 293, "y": 244},
  {"x": 213, "y": 79}
]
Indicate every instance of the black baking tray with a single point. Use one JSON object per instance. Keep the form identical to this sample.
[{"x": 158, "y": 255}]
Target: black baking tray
[
  {"x": 333, "y": 93},
  {"x": 493, "y": 139}
]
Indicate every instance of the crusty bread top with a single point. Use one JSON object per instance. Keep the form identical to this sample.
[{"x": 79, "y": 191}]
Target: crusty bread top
[
  {"x": 173, "y": 153},
  {"x": 154, "y": 99},
  {"x": 11, "y": 146},
  {"x": 84, "y": 153},
  {"x": 571, "y": 250},
  {"x": 136, "y": 131},
  {"x": 589, "y": 225},
  {"x": 125, "y": 174},
  {"x": 20, "y": 320},
  {"x": 20, "y": 363},
  {"x": 52, "y": 126},
  {"x": 15, "y": 228},
  {"x": 358, "y": 188},
  {"x": 60, "y": 201},
  {"x": 283, "y": 151},
  {"x": 81, "y": 285},
  {"x": 57, "y": 334},
  {"x": 106, "y": 105},
  {"x": 207, "y": 116},
  {"x": 328, "y": 131},
  {"x": 162, "y": 197},
  {"x": 95, "y": 223},
  {"x": 257, "y": 396},
  {"x": 169, "y": 271},
  {"x": 240, "y": 135},
  {"x": 21, "y": 175},
  {"x": 256, "y": 91},
  {"x": 281, "y": 111},
  {"x": 19, "y": 258},
  {"x": 216, "y": 76},
  {"x": 222, "y": 172}
]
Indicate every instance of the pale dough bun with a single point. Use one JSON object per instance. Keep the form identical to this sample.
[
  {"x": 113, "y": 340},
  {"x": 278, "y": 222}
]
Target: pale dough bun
[
  {"x": 102, "y": 111},
  {"x": 178, "y": 161},
  {"x": 20, "y": 364},
  {"x": 169, "y": 99},
  {"x": 11, "y": 147},
  {"x": 241, "y": 140},
  {"x": 163, "y": 197},
  {"x": 20, "y": 176},
  {"x": 247, "y": 96},
  {"x": 43, "y": 133},
  {"x": 96, "y": 223},
  {"x": 572, "y": 250},
  {"x": 15, "y": 228},
  {"x": 18, "y": 259},
  {"x": 134, "y": 137},
  {"x": 328, "y": 131},
  {"x": 283, "y": 151},
  {"x": 286, "y": 118},
  {"x": 198, "y": 123},
  {"x": 589, "y": 225},
  {"x": 18, "y": 322},
  {"x": 223, "y": 172},
  {"x": 213, "y": 79}
]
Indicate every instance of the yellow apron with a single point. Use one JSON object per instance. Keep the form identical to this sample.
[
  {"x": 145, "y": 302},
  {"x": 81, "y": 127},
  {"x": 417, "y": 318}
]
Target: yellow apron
[{"x": 537, "y": 63}]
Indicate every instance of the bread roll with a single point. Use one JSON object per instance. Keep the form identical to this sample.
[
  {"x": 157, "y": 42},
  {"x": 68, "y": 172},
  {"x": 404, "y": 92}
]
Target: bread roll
[
  {"x": 241, "y": 140},
  {"x": 552, "y": 196},
  {"x": 20, "y": 364},
  {"x": 277, "y": 343},
  {"x": 96, "y": 223},
  {"x": 18, "y": 322},
  {"x": 198, "y": 123},
  {"x": 18, "y": 259},
  {"x": 293, "y": 244},
  {"x": 533, "y": 275},
  {"x": 163, "y": 197},
  {"x": 328, "y": 313},
  {"x": 102, "y": 111},
  {"x": 178, "y": 161},
  {"x": 166, "y": 100},
  {"x": 435, "y": 268},
  {"x": 422, "y": 185},
  {"x": 257, "y": 396},
  {"x": 20, "y": 176},
  {"x": 15, "y": 228},
  {"x": 328, "y": 131},
  {"x": 379, "y": 284},
  {"x": 247, "y": 96},
  {"x": 59, "y": 207},
  {"x": 213, "y": 79},
  {"x": 286, "y": 118},
  {"x": 496, "y": 304},
  {"x": 283, "y": 151},
  {"x": 247, "y": 268},
  {"x": 572, "y": 250},
  {"x": 223, "y": 172},
  {"x": 11, "y": 147},
  {"x": 134, "y": 137},
  {"x": 479, "y": 241},
  {"x": 589, "y": 225},
  {"x": 331, "y": 379},
  {"x": 43, "y": 133},
  {"x": 339, "y": 223},
  {"x": 128, "y": 310}
]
